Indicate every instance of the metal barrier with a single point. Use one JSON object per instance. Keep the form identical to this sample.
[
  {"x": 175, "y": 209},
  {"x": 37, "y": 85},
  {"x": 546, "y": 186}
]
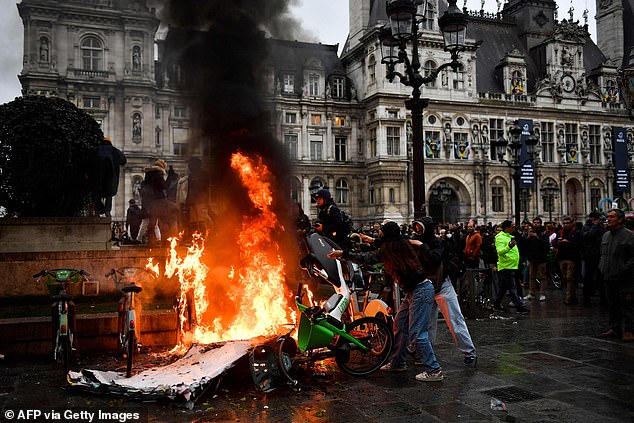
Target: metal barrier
[{"x": 476, "y": 289}]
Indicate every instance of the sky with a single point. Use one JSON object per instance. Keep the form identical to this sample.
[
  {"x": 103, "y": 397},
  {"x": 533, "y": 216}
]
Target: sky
[{"x": 325, "y": 20}]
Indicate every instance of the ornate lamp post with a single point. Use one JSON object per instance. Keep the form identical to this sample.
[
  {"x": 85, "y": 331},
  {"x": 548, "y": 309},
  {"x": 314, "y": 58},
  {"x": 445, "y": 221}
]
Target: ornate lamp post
[
  {"x": 442, "y": 191},
  {"x": 516, "y": 162},
  {"x": 549, "y": 192},
  {"x": 404, "y": 19}
]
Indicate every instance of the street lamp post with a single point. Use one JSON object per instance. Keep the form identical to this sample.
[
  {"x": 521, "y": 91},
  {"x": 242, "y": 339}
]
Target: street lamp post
[
  {"x": 404, "y": 18},
  {"x": 516, "y": 162},
  {"x": 549, "y": 192}
]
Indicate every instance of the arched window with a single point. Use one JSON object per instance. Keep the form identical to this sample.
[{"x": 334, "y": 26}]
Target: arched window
[
  {"x": 371, "y": 69},
  {"x": 296, "y": 189},
  {"x": 91, "y": 54},
  {"x": 315, "y": 185},
  {"x": 342, "y": 192},
  {"x": 517, "y": 83},
  {"x": 136, "y": 58},
  {"x": 497, "y": 195},
  {"x": 430, "y": 65}
]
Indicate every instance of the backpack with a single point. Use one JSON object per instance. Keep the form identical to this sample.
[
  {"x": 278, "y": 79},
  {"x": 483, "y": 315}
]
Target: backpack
[{"x": 346, "y": 223}]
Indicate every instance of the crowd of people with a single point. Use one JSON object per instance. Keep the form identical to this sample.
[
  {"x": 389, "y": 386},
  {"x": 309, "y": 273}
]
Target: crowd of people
[{"x": 427, "y": 261}]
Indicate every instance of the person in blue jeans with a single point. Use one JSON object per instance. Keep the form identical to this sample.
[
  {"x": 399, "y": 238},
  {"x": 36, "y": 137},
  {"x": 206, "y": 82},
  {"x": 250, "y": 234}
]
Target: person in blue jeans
[
  {"x": 412, "y": 318},
  {"x": 447, "y": 301}
]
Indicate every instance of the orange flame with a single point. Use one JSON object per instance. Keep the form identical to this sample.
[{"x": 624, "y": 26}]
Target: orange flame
[{"x": 256, "y": 290}]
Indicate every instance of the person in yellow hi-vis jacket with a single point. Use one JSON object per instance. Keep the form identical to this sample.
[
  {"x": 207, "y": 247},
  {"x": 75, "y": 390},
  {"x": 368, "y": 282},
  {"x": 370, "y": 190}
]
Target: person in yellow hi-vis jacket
[{"x": 508, "y": 262}]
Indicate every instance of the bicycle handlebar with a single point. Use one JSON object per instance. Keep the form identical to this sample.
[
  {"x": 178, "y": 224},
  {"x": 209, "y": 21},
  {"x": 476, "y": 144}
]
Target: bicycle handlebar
[{"x": 53, "y": 273}]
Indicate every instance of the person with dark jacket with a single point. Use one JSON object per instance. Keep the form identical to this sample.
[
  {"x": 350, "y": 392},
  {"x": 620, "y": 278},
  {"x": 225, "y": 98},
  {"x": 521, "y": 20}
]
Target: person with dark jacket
[
  {"x": 568, "y": 245},
  {"x": 401, "y": 263},
  {"x": 330, "y": 221},
  {"x": 133, "y": 219},
  {"x": 591, "y": 254},
  {"x": 154, "y": 203},
  {"x": 430, "y": 251},
  {"x": 105, "y": 175},
  {"x": 617, "y": 267},
  {"x": 536, "y": 247}
]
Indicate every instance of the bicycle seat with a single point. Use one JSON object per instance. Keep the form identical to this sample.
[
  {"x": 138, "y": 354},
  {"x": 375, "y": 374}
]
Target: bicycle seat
[
  {"x": 62, "y": 297},
  {"x": 132, "y": 288}
]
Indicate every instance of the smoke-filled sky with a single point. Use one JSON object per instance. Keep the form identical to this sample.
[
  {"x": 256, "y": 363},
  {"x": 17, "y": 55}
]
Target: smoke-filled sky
[{"x": 325, "y": 21}]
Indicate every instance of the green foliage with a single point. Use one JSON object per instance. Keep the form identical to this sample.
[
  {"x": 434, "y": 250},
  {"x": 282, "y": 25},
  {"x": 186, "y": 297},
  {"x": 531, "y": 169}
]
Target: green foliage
[{"x": 45, "y": 150}]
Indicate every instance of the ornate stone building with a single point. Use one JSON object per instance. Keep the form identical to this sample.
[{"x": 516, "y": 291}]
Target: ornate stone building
[{"x": 345, "y": 126}]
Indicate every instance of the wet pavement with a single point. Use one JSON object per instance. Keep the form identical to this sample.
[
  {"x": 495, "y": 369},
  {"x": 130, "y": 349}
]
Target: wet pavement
[{"x": 547, "y": 366}]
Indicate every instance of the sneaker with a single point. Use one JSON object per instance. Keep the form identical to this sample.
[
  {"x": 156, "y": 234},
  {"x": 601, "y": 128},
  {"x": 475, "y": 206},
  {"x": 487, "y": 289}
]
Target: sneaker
[
  {"x": 610, "y": 333},
  {"x": 389, "y": 367},
  {"x": 470, "y": 361},
  {"x": 529, "y": 297},
  {"x": 511, "y": 304},
  {"x": 542, "y": 297},
  {"x": 434, "y": 376}
]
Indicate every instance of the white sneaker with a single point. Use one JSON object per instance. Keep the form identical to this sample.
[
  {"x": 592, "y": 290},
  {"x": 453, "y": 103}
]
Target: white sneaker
[
  {"x": 529, "y": 297},
  {"x": 435, "y": 376},
  {"x": 542, "y": 298}
]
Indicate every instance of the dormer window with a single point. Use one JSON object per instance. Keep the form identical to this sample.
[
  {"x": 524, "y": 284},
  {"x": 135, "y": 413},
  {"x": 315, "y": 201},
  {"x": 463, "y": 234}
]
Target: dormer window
[
  {"x": 313, "y": 85},
  {"x": 517, "y": 83},
  {"x": 289, "y": 83}
]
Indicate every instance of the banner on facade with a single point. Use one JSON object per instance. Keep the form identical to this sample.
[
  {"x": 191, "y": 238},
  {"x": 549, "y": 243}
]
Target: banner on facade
[
  {"x": 461, "y": 150},
  {"x": 432, "y": 145},
  {"x": 619, "y": 148},
  {"x": 527, "y": 169}
]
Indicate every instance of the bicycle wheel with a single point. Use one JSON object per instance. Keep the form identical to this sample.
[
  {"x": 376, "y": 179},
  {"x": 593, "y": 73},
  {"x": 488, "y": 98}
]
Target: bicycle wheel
[
  {"x": 130, "y": 347},
  {"x": 371, "y": 332}
]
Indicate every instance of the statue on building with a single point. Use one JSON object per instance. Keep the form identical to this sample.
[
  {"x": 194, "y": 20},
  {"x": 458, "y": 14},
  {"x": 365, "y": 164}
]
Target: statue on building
[
  {"x": 136, "y": 58},
  {"x": 136, "y": 126},
  {"x": 44, "y": 49},
  {"x": 328, "y": 93}
]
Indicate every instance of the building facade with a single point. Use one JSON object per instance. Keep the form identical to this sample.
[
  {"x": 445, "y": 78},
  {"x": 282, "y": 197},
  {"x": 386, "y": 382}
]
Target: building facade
[{"x": 345, "y": 126}]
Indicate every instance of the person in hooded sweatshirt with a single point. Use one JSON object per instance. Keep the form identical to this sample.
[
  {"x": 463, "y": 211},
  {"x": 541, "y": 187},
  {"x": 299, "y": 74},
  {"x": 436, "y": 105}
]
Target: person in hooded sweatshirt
[
  {"x": 411, "y": 322},
  {"x": 430, "y": 253}
]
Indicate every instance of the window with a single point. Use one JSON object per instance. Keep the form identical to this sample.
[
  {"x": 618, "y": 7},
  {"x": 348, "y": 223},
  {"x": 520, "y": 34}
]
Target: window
[
  {"x": 372, "y": 115},
  {"x": 392, "y": 114},
  {"x": 372, "y": 70},
  {"x": 157, "y": 111},
  {"x": 517, "y": 83},
  {"x": 393, "y": 140},
  {"x": 313, "y": 85},
  {"x": 458, "y": 79},
  {"x": 91, "y": 54},
  {"x": 180, "y": 149},
  {"x": 497, "y": 198},
  {"x": 340, "y": 149},
  {"x": 316, "y": 148},
  {"x": 340, "y": 121},
  {"x": 496, "y": 130},
  {"x": 44, "y": 49},
  {"x": 571, "y": 137},
  {"x": 392, "y": 195},
  {"x": 296, "y": 188},
  {"x": 594, "y": 142},
  {"x": 315, "y": 119},
  {"x": 290, "y": 141},
  {"x": 547, "y": 141},
  {"x": 372, "y": 142},
  {"x": 290, "y": 117},
  {"x": 157, "y": 136},
  {"x": 432, "y": 144},
  {"x": 341, "y": 192},
  {"x": 428, "y": 23},
  {"x": 595, "y": 197},
  {"x": 430, "y": 65},
  {"x": 180, "y": 111},
  {"x": 337, "y": 87},
  {"x": 289, "y": 83},
  {"x": 371, "y": 198},
  {"x": 92, "y": 102}
]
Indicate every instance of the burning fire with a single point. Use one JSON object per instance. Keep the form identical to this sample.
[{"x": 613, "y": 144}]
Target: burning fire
[{"x": 245, "y": 301}]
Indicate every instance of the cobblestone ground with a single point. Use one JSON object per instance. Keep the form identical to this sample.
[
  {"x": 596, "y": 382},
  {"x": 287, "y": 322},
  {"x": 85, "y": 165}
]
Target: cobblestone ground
[{"x": 547, "y": 366}]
